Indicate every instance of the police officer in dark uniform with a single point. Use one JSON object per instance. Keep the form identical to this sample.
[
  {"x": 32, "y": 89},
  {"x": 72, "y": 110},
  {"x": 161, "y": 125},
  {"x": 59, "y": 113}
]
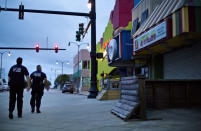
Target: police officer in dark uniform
[
  {"x": 17, "y": 85},
  {"x": 37, "y": 86}
]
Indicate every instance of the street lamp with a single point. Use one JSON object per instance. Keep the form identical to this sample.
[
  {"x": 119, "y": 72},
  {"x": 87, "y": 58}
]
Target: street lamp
[
  {"x": 62, "y": 63},
  {"x": 78, "y": 45},
  {"x": 88, "y": 46},
  {"x": 55, "y": 73},
  {"x": 9, "y": 54},
  {"x": 57, "y": 62},
  {"x": 89, "y": 4}
]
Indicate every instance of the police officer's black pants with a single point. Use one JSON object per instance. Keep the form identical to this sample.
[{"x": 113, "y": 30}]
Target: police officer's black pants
[
  {"x": 12, "y": 99},
  {"x": 36, "y": 99}
]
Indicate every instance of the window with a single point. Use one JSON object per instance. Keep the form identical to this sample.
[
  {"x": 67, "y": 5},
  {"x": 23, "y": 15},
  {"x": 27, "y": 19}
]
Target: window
[
  {"x": 136, "y": 2},
  {"x": 135, "y": 25},
  {"x": 142, "y": 71},
  {"x": 85, "y": 65},
  {"x": 144, "y": 16}
]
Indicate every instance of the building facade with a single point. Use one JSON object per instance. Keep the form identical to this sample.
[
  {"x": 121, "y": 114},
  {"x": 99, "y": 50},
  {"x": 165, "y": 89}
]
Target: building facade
[
  {"x": 167, "y": 39},
  {"x": 118, "y": 28},
  {"x": 81, "y": 78}
]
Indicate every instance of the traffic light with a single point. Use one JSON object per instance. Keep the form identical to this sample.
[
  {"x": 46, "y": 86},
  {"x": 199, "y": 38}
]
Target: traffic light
[
  {"x": 81, "y": 28},
  {"x": 77, "y": 36},
  {"x": 56, "y": 47},
  {"x": 21, "y": 12},
  {"x": 37, "y": 47}
]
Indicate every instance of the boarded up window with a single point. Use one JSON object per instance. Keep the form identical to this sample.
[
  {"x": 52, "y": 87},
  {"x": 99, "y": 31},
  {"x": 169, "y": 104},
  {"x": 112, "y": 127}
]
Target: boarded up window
[
  {"x": 144, "y": 16},
  {"x": 135, "y": 25}
]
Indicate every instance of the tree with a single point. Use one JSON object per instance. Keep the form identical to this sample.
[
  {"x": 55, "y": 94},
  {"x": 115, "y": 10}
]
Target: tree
[
  {"x": 61, "y": 79},
  {"x": 49, "y": 83}
]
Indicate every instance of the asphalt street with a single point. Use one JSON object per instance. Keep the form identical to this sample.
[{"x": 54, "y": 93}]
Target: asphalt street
[{"x": 73, "y": 112}]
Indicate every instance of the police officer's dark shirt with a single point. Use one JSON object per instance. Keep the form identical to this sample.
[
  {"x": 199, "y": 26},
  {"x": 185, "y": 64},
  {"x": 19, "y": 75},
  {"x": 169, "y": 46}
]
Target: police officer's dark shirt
[
  {"x": 37, "y": 81},
  {"x": 16, "y": 75}
]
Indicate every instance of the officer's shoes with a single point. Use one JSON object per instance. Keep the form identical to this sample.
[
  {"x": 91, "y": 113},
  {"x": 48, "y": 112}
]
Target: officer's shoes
[
  {"x": 38, "y": 111},
  {"x": 10, "y": 116},
  {"x": 32, "y": 110},
  {"x": 19, "y": 115}
]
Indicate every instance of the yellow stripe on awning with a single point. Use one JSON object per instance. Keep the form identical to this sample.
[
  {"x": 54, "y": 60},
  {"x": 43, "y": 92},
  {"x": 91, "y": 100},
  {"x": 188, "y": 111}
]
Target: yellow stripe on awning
[
  {"x": 174, "y": 25},
  {"x": 185, "y": 19},
  {"x": 161, "y": 12}
]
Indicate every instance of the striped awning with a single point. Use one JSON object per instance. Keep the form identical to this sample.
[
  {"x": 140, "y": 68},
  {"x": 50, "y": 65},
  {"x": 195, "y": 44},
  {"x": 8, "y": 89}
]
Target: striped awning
[
  {"x": 183, "y": 18},
  {"x": 161, "y": 11}
]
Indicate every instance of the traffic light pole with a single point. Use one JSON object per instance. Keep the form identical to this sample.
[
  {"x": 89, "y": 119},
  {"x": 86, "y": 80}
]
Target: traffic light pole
[
  {"x": 18, "y": 48},
  {"x": 93, "y": 91},
  {"x": 46, "y": 12},
  {"x": 78, "y": 70},
  {"x": 92, "y": 15}
]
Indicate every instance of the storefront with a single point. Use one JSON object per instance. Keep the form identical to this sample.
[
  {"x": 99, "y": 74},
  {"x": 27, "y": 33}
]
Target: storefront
[
  {"x": 120, "y": 53},
  {"x": 170, "y": 41}
]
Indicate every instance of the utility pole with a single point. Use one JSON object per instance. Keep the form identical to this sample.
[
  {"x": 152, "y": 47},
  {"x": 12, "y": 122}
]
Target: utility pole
[
  {"x": 62, "y": 65},
  {"x": 1, "y": 61},
  {"x": 93, "y": 89},
  {"x": 19, "y": 48},
  {"x": 1, "y": 65},
  {"x": 78, "y": 60},
  {"x": 47, "y": 42},
  {"x": 78, "y": 64}
]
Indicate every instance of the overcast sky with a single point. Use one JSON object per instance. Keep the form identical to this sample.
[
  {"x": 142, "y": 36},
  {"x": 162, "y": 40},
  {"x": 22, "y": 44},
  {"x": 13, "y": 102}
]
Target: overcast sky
[{"x": 35, "y": 28}]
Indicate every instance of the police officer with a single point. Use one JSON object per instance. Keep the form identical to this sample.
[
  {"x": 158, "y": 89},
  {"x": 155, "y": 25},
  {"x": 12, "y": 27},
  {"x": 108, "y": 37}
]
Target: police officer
[
  {"x": 37, "y": 86},
  {"x": 17, "y": 85}
]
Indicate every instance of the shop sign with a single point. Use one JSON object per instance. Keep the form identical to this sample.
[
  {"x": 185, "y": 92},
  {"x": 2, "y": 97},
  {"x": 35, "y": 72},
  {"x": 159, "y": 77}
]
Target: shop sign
[
  {"x": 157, "y": 33},
  {"x": 112, "y": 49}
]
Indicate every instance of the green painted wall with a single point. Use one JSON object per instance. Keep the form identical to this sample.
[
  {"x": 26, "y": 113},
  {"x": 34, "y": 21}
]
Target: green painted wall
[
  {"x": 108, "y": 34},
  {"x": 129, "y": 27},
  {"x": 103, "y": 63}
]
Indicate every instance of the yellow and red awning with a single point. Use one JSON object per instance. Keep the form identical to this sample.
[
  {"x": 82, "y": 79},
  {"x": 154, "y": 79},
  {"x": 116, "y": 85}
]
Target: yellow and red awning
[{"x": 183, "y": 21}]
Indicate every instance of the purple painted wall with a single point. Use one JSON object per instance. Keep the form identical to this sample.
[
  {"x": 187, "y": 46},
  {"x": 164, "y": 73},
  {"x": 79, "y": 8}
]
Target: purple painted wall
[{"x": 122, "y": 13}]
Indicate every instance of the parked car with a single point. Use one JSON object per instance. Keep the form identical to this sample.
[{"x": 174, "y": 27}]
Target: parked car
[
  {"x": 1, "y": 85},
  {"x": 6, "y": 87},
  {"x": 67, "y": 87},
  {"x": 1, "y": 88}
]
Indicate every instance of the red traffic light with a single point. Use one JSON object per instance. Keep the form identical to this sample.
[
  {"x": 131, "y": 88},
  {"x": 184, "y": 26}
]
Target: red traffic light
[
  {"x": 37, "y": 47},
  {"x": 56, "y": 47}
]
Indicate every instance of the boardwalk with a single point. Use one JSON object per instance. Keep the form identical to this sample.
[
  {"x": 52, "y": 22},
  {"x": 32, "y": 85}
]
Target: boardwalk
[{"x": 72, "y": 112}]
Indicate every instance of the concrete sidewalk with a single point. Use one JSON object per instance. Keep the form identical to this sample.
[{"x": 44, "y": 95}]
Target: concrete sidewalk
[
  {"x": 85, "y": 93},
  {"x": 73, "y": 112}
]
